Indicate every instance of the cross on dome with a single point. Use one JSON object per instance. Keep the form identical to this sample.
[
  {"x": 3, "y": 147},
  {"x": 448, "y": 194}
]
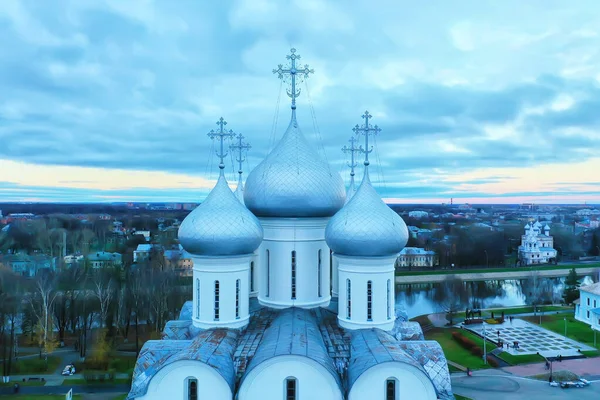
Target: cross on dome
[
  {"x": 240, "y": 147},
  {"x": 221, "y": 133},
  {"x": 352, "y": 150},
  {"x": 366, "y": 130},
  {"x": 293, "y": 71}
]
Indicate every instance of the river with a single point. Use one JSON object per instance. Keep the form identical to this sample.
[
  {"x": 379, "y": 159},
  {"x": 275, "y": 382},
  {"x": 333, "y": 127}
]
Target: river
[{"x": 427, "y": 298}]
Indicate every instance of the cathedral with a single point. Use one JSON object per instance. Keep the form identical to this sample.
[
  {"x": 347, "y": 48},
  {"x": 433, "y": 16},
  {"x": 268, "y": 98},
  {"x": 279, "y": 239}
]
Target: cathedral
[{"x": 293, "y": 287}]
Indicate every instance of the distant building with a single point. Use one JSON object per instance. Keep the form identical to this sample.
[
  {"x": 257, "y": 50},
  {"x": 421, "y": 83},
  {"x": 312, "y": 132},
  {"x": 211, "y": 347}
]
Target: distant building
[
  {"x": 536, "y": 247},
  {"x": 28, "y": 265},
  {"x": 587, "y": 309},
  {"x": 586, "y": 212},
  {"x": 179, "y": 262},
  {"x": 104, "y": 259},
  {"x": 416, "y": 257},
  {"x": 142, "y": 252},
  {"x": 73, "y": 259},
  {"x": 418, "y": 214},
  {"x": 145, "y": 234}
]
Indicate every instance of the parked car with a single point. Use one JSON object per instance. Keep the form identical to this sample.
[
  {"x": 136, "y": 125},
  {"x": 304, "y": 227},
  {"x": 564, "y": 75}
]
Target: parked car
[
  {"x": 571, "y": 384},
  {"x": 69, "y": 370},
  {"x": 584, "y": 381}
]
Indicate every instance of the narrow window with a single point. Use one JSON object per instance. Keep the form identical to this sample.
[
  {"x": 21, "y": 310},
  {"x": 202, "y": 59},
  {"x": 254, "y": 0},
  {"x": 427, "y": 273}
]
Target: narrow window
[
  {"x": 330, "y": 273},
  {"x": 588, "y": 301},
  {"x": 268, "y": 272},
  {"x": 197, "y": 298},
  {"x": 192, "y": 389},
  {"x": 216, "y": 300},
  {"x": 348, "y": 299},
  {"x": 290, "y": 389},
  {"x": 390, "y": 389},
  {"x": 319, "y": 275},
  {"x": 252, "y": 276},
  {"x": 237, "y": 299},
  {"x": 389, "y": 299},
  {"x": 294, "y": 275},
  {"x": 369, "y": 301}
]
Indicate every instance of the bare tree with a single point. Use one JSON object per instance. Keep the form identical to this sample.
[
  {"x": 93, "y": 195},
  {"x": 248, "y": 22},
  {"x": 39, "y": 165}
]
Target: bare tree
[
  {"x": 104, "y": 288},
  {"x": 42, "y": 302},
  {"x": 451, "y": 296}
]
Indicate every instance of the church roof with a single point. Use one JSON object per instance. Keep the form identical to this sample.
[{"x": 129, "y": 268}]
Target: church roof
[
  {"x": 293, "y": 332},
  {"x": 220, "y": 226},
  {"x": 213, "y": 347},
  {"x": 593, "y": 288},
  {"x": 186, "y": 311},
  {"x": 366, "y": 226},
  {"x": 293, "y": 181},
  {"x": 370, "y": 347},
  {"x": 430, "y": 355}
]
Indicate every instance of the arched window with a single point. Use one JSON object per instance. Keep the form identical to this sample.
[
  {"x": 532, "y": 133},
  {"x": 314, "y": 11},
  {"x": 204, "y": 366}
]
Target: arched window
[
  {"x": 291, "y": 389},
  {"x": 268, "y": 273},
  {"x": 319, "y": 275},
  {"x": 294, "y": 275},
  {"x": 389, "y": 299},
  {"x": 369, "y": 301},
  {"x": 348, "y": 299},
  {"x": 390, "y": 389},
  {"x": 217, "y": 294},
  {"x": 197, "y": 298},
  {"x": 252, "y": 276},
  {"x": 237, "y": 298},
  {"x": 331, "y": 273},
  {"x": 192, "y": 389}
]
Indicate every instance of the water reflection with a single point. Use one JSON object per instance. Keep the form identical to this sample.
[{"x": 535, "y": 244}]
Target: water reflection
[{"x": 419, "y": 299}]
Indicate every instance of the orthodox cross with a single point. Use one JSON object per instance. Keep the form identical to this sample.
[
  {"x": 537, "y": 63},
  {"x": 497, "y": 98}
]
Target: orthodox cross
[
  {"x": 222, "y": 134},
  {"x": 352, "y": 150},
  {"x": 366, "y": 130},
  {"x": 292, "y": 71},
  {"x": 240, "y": 147}
]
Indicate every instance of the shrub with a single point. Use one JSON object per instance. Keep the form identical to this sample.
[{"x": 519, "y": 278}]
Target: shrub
[
  {"x": 492, "y": 361},
  {"x": 465, "y": 342},
  {"x": 476, "y": 351},
  {"x": 91, "y": 375}
]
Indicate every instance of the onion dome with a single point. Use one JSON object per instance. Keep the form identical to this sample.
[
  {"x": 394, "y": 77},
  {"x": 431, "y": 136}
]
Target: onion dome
[
  {"x": 239, "y": 191},
  {"x": 220, "y": 226},
  {"x": 351, "y": 190},
  {"x": 546, "y": 228},
  {"x": 293, "y": 181},
  {"x": 528, "y": 226},
  {"x": 366, "y": 226}
]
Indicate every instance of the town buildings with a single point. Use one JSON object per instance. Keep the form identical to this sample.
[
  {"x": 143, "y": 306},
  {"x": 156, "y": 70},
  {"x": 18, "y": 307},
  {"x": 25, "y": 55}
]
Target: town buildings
[{"x": 416, "y": 257}]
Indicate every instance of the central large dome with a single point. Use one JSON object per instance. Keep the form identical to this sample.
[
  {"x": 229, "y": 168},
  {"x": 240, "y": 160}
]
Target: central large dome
[{"x": 293, "y": 181}]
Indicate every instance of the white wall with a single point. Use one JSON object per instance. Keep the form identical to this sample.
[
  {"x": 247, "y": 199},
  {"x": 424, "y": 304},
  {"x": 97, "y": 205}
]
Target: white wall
[
  {"x": 170, "y": 382},
  {"x": 360, "y": 270},
  {"x": 582, "y": 310},
  {"x": 306, "y": 236},
  {"x": 412, "y": 383},
  {"x": 334, "y": 277},
  {"x": 267, "y": 380},
  {"x": 254, "y": 275},
  {"x": 226, "y": 270}
]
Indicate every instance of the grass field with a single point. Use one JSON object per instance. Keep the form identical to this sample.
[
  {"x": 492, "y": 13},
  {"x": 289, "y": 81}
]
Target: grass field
[
  {"x": 81, "y": 381},
  {"x": 503, "y": 269},
  {"x": 519, "y": 310},
  {"x": 523, "y": 359},
  {"x": 459, "y": 397},
  {"x": 40, "y": 397},
  {"x": 454, "y": 351},
  {"x": 575, "y": 330},
  {"x": 34, "y": 365}
]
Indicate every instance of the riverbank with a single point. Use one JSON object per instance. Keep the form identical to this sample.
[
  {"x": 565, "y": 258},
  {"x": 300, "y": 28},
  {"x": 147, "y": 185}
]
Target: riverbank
[{"x": 494, "y": 273}]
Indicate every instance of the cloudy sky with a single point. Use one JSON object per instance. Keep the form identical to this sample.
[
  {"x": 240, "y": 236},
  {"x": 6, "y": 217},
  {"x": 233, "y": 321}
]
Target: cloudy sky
[{"x": 482, "y": 101}]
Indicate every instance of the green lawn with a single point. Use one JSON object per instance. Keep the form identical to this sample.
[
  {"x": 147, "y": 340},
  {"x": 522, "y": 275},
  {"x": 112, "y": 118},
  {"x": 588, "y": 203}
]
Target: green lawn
[
  {"x": 504, "y": 269},
  {"x": 81, "y": 381},
  {"x": 120, "y": 397},
  {"x": 26, "y": 383},
  {"x": 522, "y": 359},
  {"x": 454, "y": 351},
  {"x": 518, "y": 310},
  {"x": 459, "y": 397},
  {"x": 575, "y": 330},
  {"x": 34, "y": 365}
]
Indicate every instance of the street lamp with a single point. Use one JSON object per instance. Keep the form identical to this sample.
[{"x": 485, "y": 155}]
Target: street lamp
[
  {"x": 565, "y": 326},
  {"x": 484, "y": 348},
  {"x": 487, "y": 260}
]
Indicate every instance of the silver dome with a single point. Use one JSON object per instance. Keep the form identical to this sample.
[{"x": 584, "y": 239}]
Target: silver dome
[
  {"x": 351, "y": 190},
  {"x": 239, "y": 191},
  {"x": 293, "y": 181},
  {"x": 366, "y": 226},
  {"x": 220, "y": 226}
]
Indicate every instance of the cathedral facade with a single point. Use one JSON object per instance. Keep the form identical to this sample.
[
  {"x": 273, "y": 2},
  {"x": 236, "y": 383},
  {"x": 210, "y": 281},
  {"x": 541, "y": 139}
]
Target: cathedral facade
[
  {"x": 293, "y": 293},
  {"x": 537, "y": 247}
]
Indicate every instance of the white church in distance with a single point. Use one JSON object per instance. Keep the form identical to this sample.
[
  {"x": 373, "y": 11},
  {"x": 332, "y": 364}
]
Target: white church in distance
[
  {"x": 536, "y": 247},
  {"x": 293, "y": 294}
]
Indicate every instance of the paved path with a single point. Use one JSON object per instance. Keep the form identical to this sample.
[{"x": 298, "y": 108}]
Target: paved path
[
  {"x": 497, "y": 385},
  {"x": 62, "y": 390},
  {"x": 584, "y": 367}
]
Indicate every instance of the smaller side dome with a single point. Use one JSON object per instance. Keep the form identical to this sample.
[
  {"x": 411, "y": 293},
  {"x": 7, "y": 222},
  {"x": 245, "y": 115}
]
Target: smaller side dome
[
  {"x": 220, "y": 226},
  {"x": 366, "y": 226}
]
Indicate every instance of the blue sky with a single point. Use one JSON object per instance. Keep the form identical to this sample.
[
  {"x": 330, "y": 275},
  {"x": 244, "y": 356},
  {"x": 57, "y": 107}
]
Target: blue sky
[{"x": 481, "y": 101}]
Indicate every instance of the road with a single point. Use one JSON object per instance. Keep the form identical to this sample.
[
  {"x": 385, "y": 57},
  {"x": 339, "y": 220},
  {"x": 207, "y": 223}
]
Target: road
[{"x": 497, "y": 385}]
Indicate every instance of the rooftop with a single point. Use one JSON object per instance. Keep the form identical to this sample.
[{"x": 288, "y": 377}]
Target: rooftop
[{"x": 593, "y": 288}]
